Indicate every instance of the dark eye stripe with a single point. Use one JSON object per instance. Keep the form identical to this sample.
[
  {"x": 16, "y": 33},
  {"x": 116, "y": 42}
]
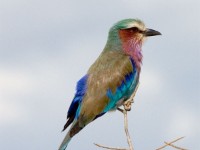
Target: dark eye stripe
[{"x": 133, "y": 29}]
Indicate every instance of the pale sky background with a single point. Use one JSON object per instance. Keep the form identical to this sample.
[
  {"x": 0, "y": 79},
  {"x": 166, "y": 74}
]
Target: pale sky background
[{"x": 47, "y": 45}]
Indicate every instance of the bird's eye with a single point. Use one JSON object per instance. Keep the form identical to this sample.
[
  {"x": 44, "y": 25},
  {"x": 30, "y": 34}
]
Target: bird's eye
[{"x": 133, "y": 29}]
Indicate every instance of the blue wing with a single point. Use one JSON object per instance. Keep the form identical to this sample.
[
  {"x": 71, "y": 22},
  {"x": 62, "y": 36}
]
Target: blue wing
[
  {"x": 124, "y": 91},
  {"x": 81, "y": 88}
]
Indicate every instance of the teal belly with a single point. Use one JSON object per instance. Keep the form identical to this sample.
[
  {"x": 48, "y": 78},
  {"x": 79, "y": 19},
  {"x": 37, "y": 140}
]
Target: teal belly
[{"x": 123, "y": 92}]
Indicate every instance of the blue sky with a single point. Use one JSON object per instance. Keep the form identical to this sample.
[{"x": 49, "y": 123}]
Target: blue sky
[{"x": 46, "y": 46}]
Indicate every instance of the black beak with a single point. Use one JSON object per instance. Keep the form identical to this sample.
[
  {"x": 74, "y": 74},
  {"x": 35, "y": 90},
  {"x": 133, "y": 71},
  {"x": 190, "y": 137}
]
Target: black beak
[{"x": 151, "y": 32}]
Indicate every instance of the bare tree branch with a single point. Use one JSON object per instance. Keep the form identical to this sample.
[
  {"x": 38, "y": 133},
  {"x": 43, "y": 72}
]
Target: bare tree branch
[
  {"x": 111, "y": 148},
  {"x": 170, "y": 144},
  {"x": 174, "y": 146},
  {"x": 127, "y": 107}
]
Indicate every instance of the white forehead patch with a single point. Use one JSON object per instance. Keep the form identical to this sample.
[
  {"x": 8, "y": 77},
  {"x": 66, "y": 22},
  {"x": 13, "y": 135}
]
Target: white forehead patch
[{"x": 139, "y": 25}]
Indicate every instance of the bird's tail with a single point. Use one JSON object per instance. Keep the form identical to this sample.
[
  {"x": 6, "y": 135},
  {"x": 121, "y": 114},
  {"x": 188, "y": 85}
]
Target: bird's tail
[
  {"x": 65, "y": 142},
  {"x": 75, "y": 128}
]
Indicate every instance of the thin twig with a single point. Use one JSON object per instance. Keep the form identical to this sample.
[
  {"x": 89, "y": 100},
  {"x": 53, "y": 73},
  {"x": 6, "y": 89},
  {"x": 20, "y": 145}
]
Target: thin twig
[
  {"x": 112, "y": 148},
  {"x": 169, "y": 143},
  {"x": 127, "y": 107},
  {"x": 174, "y": 146},
  {"x": 126, "y": 130},
  {"x": 121, "y": 110}
]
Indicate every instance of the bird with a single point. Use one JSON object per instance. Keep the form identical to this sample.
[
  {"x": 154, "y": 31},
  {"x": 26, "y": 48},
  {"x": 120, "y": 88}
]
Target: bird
[{"x": 111, "y": 79}]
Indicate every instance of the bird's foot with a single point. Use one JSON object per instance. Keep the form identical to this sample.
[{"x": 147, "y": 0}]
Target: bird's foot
[{"x": 127, "y": 104}]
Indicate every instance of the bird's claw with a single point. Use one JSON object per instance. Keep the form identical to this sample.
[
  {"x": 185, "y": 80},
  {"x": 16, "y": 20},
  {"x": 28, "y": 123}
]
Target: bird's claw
[{"x": 128, "y": 104}]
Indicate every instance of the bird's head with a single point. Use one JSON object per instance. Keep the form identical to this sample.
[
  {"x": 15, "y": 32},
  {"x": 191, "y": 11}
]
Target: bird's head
[{"x": 128, "y": 34}]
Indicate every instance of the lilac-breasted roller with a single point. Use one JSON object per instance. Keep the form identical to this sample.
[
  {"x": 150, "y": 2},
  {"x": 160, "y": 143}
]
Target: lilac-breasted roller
[{"x": 111, "y": 79}]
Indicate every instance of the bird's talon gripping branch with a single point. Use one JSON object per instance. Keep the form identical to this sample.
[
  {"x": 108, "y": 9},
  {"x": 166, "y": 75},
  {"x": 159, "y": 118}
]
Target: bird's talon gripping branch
[{"x": 127, "y": 105}]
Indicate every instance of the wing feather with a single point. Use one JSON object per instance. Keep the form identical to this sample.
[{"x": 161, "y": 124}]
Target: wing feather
[{"x": 109, "y": 80}]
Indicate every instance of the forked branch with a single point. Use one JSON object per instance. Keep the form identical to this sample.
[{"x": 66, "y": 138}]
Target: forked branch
[{"x": 172, "y": 145}]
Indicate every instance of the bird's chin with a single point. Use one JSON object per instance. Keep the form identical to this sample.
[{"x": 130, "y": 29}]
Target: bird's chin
[
  {"x": 144, "y": 39},
  {"x": 141, "y": 38}
]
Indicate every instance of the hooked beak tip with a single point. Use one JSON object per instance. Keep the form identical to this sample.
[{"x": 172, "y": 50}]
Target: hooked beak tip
[{"x": 151, "y": 32}]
